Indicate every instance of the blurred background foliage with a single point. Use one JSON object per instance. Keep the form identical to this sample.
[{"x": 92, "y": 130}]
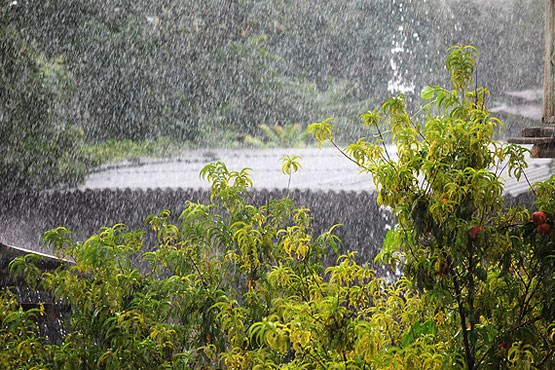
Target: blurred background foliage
[{"x": 211, "y": 72}]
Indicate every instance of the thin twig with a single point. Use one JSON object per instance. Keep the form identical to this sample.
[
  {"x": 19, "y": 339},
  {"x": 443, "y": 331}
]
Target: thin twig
[
  {"x": 383, "y": 141},
  {"x": 529, "y": 183},
  {"x": 349, "y": 158},
  {"x": 546, "y": 357}
]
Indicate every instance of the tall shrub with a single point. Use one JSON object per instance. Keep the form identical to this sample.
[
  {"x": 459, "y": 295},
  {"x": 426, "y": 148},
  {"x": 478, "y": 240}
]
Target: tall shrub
[{"x": 485, "y": 267}]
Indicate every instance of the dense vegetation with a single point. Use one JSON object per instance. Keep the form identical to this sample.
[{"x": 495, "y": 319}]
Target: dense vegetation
[
  {"x": 143, "y": 69},
  {"x": 231, "y": 285},
  {"x": 39, "y": 148}
]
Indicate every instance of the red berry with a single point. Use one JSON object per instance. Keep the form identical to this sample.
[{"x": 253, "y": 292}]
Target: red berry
[
  {"x": 475, "y": 231},
  {"x": 444, "y": 200},
  {"x": 544, "y": 229},
  {"x": 444, "y": 268},
  {"x": 503, "y": 349},
  {"x": 539, "y": 218}
]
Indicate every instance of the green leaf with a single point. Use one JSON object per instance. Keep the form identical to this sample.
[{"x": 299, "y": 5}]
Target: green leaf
[
  {"x": 481, "y": 274},
  {"x": 427, "y": 93},
  {"x": 418, "y": 329},
  {"x": 390, "y": 239},
  {"x": 322, "y": 131},
  {"x": 290, "y": 164}
]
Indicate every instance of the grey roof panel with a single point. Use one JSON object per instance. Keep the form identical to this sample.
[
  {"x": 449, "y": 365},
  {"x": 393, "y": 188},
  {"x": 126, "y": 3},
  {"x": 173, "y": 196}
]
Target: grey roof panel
[{"x": 322, "y": 169}]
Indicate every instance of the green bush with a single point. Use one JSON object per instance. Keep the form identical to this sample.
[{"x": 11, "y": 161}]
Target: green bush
[
  {"x": 111, "y": 150},
  {"x": 486, "y": 268},
  {"x": 231, "y": 285},
  {"x": 279, "y": 136}
]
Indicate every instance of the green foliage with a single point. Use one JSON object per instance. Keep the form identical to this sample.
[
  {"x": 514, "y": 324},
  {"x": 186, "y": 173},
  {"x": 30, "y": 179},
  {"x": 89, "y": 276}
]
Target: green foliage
[
  {"x": 234, "y": 285},
  {"x": 22, "y": 345},
  {"x": 193, "y": 70},
  {"x": 485, "y": 267},
  {"x": 111, "y": 150},
  {"x": 322, "y": 131},
  {"x": 279, "y": 136},
  {"x": 40, "y": 148},
  {"x": 289, "y": 166},
  {"x": 229, "y": 285},
  {"x": 461, "y": 63},
  {"x": 191, "y": 302}
]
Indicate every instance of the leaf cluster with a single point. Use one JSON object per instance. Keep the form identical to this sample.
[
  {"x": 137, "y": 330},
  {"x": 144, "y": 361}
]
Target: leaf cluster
[{"x": 227, "y": 284}]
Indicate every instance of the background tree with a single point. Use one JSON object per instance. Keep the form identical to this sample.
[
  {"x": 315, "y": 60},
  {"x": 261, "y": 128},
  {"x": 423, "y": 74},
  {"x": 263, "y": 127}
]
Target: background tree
[
  {"x": 183, "y": 68},
  {"x": 40, "y": 149}
]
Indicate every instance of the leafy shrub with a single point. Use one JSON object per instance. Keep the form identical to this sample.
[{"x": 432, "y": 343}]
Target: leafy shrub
[
  {"x": 230, "y": 285},
  {"x": 280, "y": 136},
  {"x": 237, "y": 286},
  {"x": 117, "y": 150},
  {"x": 22, "y": 344},
  {"x": 485, "y": 268}
]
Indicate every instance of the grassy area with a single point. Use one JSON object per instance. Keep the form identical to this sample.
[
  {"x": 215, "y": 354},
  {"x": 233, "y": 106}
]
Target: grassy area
[{"x": 112, "y": 150}]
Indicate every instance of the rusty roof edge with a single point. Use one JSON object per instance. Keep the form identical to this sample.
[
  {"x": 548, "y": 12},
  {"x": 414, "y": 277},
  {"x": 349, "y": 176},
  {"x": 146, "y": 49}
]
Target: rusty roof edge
[{"x": 50, "y": 261}]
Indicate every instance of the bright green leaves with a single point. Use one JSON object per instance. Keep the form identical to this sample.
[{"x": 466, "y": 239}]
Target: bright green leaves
[
  {"x": 290, "y": 164},
  {"x": 19, "y": 334},
  {"x": 365, "y": 154},
  {"x": 371, "y": 118},
  {"x": 226, "y": 184},
  {"x": 280, "y": 136},
  {"x": 439, "y": 97},
  {"x": 395, "y": 105},
  {"x": 428, "y": 93},
  {"x": 248, "y": 240},
  {"x": 59, "y": 239},
  {"x": 273, "y": 334},
  {"x": 223, "y": 267},
  {"x": 347, "y": 271},
  {"x": 516, "y": 160},
  {"x": 166, "y": 232},
  {"x": 26, "y": 268},
  {"x": 231, "y": 318},
  {"x": 347, "y": 318},
  {"x": 455, "y": 240},
  {"x": 322, "y": 131},
  {"x": 461, "y": 63},
  {"x": 295, "y": 242},
  {"x": 403, "y": 129},
  {"x": 282, "y": 276},
  {"x": 419, "y": 329},
  {"x": 390, "y": 254},
  {"x": 238, "y": 285}
]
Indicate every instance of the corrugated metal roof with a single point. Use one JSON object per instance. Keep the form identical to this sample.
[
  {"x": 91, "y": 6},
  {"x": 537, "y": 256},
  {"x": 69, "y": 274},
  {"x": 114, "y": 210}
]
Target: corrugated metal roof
[{"x": 322, "y": 169}]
